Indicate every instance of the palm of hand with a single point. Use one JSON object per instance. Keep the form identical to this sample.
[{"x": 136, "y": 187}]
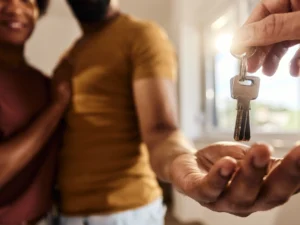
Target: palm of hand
[{"x": 223, "y": 178}]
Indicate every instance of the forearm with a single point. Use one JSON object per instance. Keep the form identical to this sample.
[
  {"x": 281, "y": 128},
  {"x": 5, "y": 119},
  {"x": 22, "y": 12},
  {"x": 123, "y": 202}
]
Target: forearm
[
  {"x": 17, "y": 152},
  {"x": 165, "y": 149}
]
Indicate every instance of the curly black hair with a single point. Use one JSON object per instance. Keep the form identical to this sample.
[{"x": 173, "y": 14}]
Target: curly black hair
[{"x": 43, "y": 6}]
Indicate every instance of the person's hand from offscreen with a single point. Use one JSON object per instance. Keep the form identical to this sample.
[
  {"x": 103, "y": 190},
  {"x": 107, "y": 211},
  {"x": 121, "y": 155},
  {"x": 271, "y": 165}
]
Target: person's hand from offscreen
[{"x": 273, "y": 27}]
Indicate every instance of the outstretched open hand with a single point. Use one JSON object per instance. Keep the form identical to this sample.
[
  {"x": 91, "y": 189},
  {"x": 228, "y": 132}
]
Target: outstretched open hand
[{"x": 237, "y": 179}]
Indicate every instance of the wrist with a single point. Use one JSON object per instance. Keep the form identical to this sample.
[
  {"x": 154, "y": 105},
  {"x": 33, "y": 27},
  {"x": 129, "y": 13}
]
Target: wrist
[{"x": 166, "y": 152}]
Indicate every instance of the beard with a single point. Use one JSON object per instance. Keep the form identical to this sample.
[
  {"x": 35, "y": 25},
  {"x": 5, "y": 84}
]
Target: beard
[{"x": 89, "y": 11}]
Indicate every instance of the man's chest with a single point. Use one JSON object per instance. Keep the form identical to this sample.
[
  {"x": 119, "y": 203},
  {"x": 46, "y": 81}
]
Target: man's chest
[
  {"x": 22, "y": 97},
  {"x": 102, "y": 71}
]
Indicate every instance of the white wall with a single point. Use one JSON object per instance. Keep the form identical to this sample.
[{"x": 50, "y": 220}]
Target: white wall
[
  {"x": 156, "y": 10},
  {"x": 53, "y": 34}
]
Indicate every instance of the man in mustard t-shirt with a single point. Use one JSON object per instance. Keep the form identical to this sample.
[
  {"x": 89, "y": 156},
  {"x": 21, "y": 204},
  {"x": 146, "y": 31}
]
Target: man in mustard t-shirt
[{"x": 122, "y": 125}]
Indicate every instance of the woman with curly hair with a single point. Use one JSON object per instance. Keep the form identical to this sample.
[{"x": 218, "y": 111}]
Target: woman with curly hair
[{"x": 30, "y": 111}]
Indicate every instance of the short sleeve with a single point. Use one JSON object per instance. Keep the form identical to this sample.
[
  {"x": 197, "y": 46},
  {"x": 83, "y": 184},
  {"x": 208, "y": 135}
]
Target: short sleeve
[{"x": 153, "y": 54}]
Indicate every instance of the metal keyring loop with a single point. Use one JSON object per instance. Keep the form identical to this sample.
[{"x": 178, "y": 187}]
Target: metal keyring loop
[
  {"x": 243, "y": 61},
  {"x": 243, "y": 68},
  {"x": 251, "y": 52}
]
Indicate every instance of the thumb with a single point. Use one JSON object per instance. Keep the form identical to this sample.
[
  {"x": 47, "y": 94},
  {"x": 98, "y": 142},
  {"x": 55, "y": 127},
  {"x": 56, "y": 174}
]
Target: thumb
[{"x": 273, "y": 29}]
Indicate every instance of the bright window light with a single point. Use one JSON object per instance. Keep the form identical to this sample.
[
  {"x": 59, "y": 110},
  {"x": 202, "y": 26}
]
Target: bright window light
[{"x": 223, "y": 42}]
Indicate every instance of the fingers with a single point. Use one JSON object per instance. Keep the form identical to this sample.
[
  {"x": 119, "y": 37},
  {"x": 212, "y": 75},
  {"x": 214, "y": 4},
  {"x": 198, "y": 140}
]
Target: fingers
[
  {"x": 267, "y": 25},
  {"x": 295, "y": 65},
  {"x": 214, "y": 183},
  {"x": 245, "y": 186},
  {"x": 218, "y": 150},
  {"x": 272, "y": 60},
  {"x": 282, "y": 183},
  {"x": 257, "y": 60},
  {"x": 273, "y": 29},
  {"x": 261, "y": 11}
]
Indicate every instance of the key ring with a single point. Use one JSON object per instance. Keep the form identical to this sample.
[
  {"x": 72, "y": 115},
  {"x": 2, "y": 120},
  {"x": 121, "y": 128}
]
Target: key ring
[
  {"x": 243, "y": 67},
  {"x": 248, "y": 54},
  {"x": 243, "y": 61}
]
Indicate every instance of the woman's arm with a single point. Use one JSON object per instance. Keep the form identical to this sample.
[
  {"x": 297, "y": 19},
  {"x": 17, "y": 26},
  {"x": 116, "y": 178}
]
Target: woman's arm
[{"x": 16, "y": 153}]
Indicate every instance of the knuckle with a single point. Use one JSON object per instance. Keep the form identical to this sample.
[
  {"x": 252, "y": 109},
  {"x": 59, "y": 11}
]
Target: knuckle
[{"x": 273, "y": 25}]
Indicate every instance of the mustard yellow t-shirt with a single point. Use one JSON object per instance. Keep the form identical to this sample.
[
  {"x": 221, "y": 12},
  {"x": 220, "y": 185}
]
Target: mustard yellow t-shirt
[{"x": 104, "y": 165}]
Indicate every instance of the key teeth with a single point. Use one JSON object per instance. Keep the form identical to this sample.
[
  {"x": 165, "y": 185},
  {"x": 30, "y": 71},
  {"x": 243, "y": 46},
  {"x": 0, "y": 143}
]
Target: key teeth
[{"x": 242, "y": 131}]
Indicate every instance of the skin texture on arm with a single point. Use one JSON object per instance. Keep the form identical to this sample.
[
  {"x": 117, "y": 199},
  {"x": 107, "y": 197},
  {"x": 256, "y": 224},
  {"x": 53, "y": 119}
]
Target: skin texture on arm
[
  {"x": 16, "y": 152},
  {"x": 159, "y": 123}
]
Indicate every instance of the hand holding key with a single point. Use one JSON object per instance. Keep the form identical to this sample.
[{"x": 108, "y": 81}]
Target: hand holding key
[
  {"x": 244, "y": 89},
  {"x": 273, "y": 27}
]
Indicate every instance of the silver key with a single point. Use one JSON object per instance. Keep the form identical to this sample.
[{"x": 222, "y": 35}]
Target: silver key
[{"x": 244, "y": 89}]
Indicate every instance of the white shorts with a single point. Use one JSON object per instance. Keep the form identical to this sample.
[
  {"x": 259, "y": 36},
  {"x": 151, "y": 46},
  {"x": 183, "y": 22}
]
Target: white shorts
[{"x": 151, "y": 214}]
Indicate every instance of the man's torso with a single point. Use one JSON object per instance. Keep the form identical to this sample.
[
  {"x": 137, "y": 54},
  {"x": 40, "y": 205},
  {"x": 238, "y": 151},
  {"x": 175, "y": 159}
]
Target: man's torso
[{"x": 104, "y": 165}]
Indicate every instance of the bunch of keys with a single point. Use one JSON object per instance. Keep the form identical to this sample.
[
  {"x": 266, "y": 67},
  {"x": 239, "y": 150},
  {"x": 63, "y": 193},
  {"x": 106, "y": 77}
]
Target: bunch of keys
[{"x": 244, "y": 88}]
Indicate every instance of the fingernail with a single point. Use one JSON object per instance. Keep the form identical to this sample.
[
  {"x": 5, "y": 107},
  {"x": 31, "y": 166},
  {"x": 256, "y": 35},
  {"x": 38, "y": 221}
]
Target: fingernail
[
  {"x": 264, "y": 145},
  {"x": 260, "y": 162},
  {"x": 226, "y": 172}
]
